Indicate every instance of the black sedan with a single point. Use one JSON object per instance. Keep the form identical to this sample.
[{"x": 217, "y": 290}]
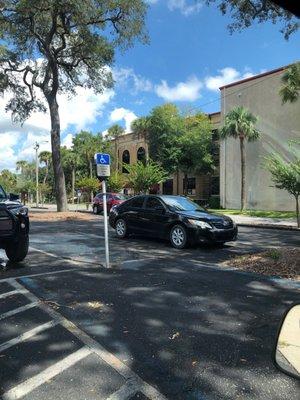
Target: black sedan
[{"x": 176, "y": 218}]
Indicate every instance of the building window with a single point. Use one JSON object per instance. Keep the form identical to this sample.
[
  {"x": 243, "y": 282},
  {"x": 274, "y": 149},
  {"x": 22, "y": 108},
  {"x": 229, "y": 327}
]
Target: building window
[
  {"x": 189, "y": 186},
  {"x": 141, "y": 155},
  {"x": 125, "y": 160}
]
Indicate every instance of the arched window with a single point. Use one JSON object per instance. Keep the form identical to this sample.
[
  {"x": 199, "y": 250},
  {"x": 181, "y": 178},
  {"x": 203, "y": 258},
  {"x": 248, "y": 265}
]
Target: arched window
[
  {"x": 141, "y": 154},
  {"x": 125, "y": 159}
]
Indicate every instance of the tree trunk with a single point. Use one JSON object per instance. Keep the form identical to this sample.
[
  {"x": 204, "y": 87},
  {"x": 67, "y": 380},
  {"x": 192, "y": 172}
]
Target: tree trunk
[
  {"x": 242, "y": 149},
  {"x": 297, "y": 211},
  {"x": 46, "y": 174},
  {"x": 59, "y": 176},
  {"x": 73, "y": 184},
  {"x": 177, "y": 181}
]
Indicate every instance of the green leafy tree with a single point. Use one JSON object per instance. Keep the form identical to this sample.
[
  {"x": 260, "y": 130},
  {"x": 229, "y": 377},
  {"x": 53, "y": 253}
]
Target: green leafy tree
[
  {"x": 56, "y": 46},
  {"x": 114, "y": 132},
  {"x": 240, "y": 124},
  {"x": 45, "y": 157},
  {"x": 286, "y": 175},
  {"x": 21, "y": 166},
  {"x": 116, "y": 182},
  {"x": 8, "y": 180},
  {"x": 165, "y": 126},
  {"x": 70, "y": 162},
  {"x": 195, "y": 146},
  {"x": 247, "y": 12},
  {"x": 141, "y": 177},
  {"x": 140, "y": 125},
  {"x": 88, "y": 185},
  {"x": 290, "y": 90}
]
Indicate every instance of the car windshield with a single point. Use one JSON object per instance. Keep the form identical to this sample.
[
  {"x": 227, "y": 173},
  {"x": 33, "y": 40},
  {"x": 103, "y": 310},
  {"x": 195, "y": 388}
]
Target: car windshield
[
  {"x": 120, "y": 197},
  {"x": 2, "y": 194},
  {"x": 181, "y": 204}
]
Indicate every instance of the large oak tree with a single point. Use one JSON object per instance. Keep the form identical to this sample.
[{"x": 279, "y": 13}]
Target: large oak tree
[{"x": 50, "y": 47}]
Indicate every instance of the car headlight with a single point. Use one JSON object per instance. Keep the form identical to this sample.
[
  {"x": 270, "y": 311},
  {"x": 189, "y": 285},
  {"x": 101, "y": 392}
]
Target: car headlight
[
  {"x": 20, "y": 210},
  {"x": 200, "y": 224}
]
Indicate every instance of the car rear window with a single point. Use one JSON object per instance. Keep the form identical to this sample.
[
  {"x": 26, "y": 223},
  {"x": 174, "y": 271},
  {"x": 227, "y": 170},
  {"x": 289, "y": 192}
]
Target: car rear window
[{"x": 136, "y": 202}]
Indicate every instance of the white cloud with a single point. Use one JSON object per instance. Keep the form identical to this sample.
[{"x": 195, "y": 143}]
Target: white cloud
[
  {"x": 226, "y": 76},
  {"x": 122, "y": 114},
  {"x": 182, "y": 91},
  {"x": 136, "y": 83},
  {"x": 186, "y": 7},
  {"x": 80, "y": 112},
  {"x": 67, "y": 141}
]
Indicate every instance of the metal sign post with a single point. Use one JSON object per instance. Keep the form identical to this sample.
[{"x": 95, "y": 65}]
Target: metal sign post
[{"x": 103, "y": 172}]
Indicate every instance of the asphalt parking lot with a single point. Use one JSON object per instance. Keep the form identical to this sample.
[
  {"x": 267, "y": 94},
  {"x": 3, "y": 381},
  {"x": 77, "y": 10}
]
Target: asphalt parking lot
[{"x": 161, "y": 323}]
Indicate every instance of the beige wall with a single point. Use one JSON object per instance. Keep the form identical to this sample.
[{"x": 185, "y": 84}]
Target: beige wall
[{"x": 278, "y": 124}]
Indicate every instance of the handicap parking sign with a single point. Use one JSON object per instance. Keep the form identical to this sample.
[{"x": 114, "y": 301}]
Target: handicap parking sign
[
  {"x": 102, "y": 159},
  {"x": 103, "y": 165}
]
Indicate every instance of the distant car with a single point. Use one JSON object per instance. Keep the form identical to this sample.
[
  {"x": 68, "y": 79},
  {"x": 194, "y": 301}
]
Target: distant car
[
  {"x": 175, "y": 218},
  {"x": 112, "y": 199},
  {"x": 14, "y": 227}
]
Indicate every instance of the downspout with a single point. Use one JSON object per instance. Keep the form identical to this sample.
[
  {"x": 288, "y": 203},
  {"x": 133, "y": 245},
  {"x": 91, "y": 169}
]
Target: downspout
[{"x": 225, "y": 142}]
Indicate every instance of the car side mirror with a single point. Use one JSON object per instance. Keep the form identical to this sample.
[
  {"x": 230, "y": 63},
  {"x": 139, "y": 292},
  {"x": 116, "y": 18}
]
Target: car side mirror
[
  {"x": 287, "y": 352},
  {"x": 160, "y": 209},
  {"x": 13, "y": 197}
]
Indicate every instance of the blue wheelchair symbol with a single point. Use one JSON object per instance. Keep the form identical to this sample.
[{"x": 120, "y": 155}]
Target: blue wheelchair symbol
[{"x": 103, "y": 159}]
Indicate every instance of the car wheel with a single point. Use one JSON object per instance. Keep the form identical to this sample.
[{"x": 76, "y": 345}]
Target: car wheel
[
  {"x": 17, "y": 251},
  {"x": 95, "y": 210},
  {"x": 121, "y": 228},
  {"x": 178, "y": 237}
]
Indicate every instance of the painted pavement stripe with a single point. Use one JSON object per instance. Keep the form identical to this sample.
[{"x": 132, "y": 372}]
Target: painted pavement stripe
[
  {"x": 27, "y": 335},
  {"x": 126, "y": 391},
  {"x": 39, "y": 274},
  {"x": 96, "y": 348},
  {"x": 18, "y": 310},
  {"x": 11, "y": 293},
  {"x": 32, "y": 383}
]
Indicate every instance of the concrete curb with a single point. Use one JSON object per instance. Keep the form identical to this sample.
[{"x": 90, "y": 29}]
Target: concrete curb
[{"x": 270, "y": 226}]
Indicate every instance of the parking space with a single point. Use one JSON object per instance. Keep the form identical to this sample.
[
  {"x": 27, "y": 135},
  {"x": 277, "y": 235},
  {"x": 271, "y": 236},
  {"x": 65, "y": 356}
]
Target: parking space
[
  {"x": 44, "y": 355},
  {"x": 160, "y": 324}
]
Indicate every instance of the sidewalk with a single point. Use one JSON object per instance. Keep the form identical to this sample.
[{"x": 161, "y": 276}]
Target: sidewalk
[{"x": 275, "y": 223}]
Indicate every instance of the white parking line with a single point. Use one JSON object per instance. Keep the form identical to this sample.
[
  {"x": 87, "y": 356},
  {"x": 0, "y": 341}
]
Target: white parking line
[
  {"x": 96, "y": 348},
  {"x": 27, "y": 335},
  {"x": 11, "y": 293},
  {"x": 125, "y": 392},
  {"x": 32, "y": 383},
  {"x": 61, "y": 271},
  {"x": 18, "y": 310}
]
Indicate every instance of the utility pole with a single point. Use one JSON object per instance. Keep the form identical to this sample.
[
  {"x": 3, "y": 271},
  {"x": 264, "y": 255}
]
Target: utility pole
[{"x": 36, "y": 148}]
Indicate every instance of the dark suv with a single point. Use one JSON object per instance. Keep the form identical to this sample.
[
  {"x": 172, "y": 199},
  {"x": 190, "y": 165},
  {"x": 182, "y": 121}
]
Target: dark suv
[{"x": 14, "y": 227}]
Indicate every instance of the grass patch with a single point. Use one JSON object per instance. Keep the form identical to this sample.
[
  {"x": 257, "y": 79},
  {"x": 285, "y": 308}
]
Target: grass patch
[{"x": 257, "y": 213}]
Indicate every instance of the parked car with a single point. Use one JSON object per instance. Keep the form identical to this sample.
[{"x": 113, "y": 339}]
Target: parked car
[
  {"x": 14, "y": 227},
  {"x": 176, "y": 218},
  {"x": 112, "y": 199}
]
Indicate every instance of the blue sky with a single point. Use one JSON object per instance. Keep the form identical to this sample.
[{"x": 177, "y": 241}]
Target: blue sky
[{"x": 190, "y": 55}]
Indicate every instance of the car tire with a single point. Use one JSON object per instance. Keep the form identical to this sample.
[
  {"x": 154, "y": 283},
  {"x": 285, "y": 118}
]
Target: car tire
[
  {"x": 178, "y": 237},
  {"x": 121, "y": 228},
  {"x": 95, "y": 210},
  {"x": 17, "y": 251}
]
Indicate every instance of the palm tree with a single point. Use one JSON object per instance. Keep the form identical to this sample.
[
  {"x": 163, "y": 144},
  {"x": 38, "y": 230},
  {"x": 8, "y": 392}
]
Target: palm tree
[
  {"x": 290, "y": 91},
  {"x": 21, "y": 166},
  {"x": 240, "y": 123},
  {"x": 114, "y": 132},
  {"x": 140, "y": 125},
  {"x": 45, "y": 157},
  {"x": 71, "y": 160}
]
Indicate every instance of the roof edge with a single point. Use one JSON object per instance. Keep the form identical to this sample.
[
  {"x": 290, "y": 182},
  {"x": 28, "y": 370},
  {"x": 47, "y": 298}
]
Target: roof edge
[{"x": 251, "y": 78}]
